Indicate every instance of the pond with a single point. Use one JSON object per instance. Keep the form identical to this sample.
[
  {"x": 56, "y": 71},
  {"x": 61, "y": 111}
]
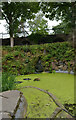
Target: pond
[{"x": 40, "y": 105}]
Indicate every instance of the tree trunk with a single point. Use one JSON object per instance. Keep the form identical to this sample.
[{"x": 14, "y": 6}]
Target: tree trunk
[
  {"x": 11, "y": 41},
  {"x": 11, "y": 30}
]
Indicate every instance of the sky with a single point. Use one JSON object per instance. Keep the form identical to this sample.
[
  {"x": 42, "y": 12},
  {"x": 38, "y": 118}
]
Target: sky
[{"x": 4, "y": 30}]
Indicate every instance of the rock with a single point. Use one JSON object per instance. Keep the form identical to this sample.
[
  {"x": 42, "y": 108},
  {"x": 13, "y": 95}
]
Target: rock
[
  {"x": 4, "y": 115},
  {"x": 60, "y": 63},
  {"x": 56, "y": 68},
  {"x": 21, "y": 111},
  {"x": 37, "y": 79},
  {"x": 53, "y": 65},
  {"x": 14, "y": 104},
  {"x": 39, "y": 66},
  {"x": 72, "y": 62},
  {"x": 65, "y": 68},
  {"x": 60, "y": 67}
]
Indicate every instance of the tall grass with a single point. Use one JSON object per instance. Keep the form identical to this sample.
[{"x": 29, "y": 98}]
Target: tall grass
[{"x": 8, "y": 81}]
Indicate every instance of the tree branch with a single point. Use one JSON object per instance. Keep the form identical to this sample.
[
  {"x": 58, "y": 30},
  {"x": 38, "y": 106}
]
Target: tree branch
[{"x": 5, "y": 17}]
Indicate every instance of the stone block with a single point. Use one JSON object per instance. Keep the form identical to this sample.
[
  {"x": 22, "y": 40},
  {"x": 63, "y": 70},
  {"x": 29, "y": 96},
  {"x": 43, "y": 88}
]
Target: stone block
[{"x": 13, "y": 104}]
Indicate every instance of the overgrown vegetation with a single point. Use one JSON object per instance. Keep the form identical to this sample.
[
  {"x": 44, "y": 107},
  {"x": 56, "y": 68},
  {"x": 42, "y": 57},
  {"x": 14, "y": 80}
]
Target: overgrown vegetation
[
  {"x": 40, "y": 105},
  {"x": 28, "y": 59},
  {"x": 8, "y": 81},
  {"x": 0, "y": 82}
]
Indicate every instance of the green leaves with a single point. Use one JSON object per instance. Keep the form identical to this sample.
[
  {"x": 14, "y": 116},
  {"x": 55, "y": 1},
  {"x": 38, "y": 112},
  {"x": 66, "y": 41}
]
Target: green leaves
[
  {"x": 60, "y": 10},
  {"x": 14, "y": 12},
  {"x": 38, "y": 25},
  {"x": 24, "y": 58},
  {"x": 8, "y": 81}
]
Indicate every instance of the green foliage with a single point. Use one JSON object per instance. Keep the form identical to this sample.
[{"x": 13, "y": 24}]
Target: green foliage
[
  {"x": 27, "y": 60},
  {"x": 62, "y": 28},
  {"x": 35, "y": 37},
  {"x": 22, "y": 55},
  {"x": 62, "y": 10},
  {"x": 9, "y": 57},
  {"x": 50, "y": 70},
  {"x": 17, "y": 48},
  {"x": 24, "y": 59},
  {"x": 8, "y": 81},
  {"x": 39, "y": 25},
  {"x": 16, "y": 53},
  {"x": 47, "y": 64},
  {"x": 17, "y": 16},
  {"x": 26, "y": 48},
  {"x": 46, "y": 58},
  {"x": 28, "y": 69}
]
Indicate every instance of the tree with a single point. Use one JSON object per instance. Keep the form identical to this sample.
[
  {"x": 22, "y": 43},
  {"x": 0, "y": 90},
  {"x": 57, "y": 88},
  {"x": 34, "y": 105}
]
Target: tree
[
  {"x": 14, "y": 12},
  {"x": 61, "y": 28},
  {"x": 22, "y": 29},
  {"x": 66, "y": 11},
  {"x": 39, "y": 25},
  {"x": 0, "y": 11}
]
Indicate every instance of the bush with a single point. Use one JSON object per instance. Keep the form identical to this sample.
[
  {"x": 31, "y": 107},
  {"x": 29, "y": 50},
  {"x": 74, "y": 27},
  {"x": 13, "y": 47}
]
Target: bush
[
  {"x": 9, "y": 57},
  {"x": 25, "y": 59},
  {"x": 8, "y": 81},
  {"x": 50, "y": 70},
  {"x": 16, "y": 53},
  {"x": 22, "y": 55},
  {"x": 47, "y": 64},
  {"x": 28, "y": 69},
  {"x": 26, "y": 48}
]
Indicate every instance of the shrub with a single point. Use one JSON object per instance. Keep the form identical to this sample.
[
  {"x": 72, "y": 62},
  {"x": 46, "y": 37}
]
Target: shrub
[
  {"x": 33, "y": 51},
  {"x": 9, "y": 56},
  {"x": 46, "y": 57},
  {"x": 22, "y": 55},
  {"x": 5, "y": 67},
  {"x": 16, "y": 53},
  {"x": 50, "y": 70},
  {"x": 28, "y": 69},
  {"x": 47, "y": 64},
  {"x": 17, "y": 48},
  {"x": 28, "y": 57},
  {"x": 26, "y": 48},
  {"x": 8, "y": 81}
]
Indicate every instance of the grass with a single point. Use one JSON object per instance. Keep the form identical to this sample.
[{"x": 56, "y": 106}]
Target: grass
[{"x": 40, "y": 105}]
